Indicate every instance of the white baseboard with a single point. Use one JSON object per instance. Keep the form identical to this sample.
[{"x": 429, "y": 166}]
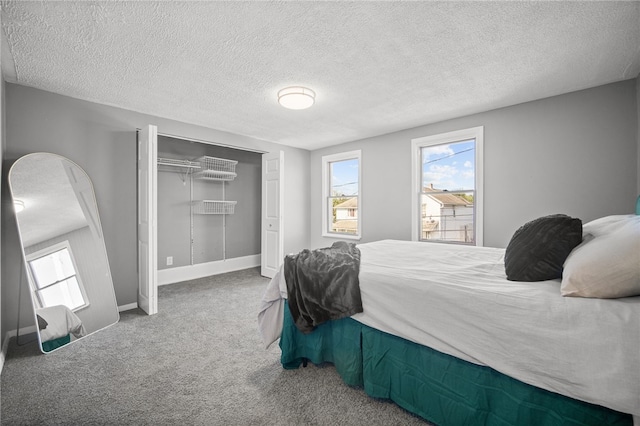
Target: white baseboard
[
  {"x": 3, "y": 354},
  {"x": 127, "y": 307},
  {"x": 192, "y": 272},
  {"x": 13, "y": 333},
  {"x": 22, "y": 331}
]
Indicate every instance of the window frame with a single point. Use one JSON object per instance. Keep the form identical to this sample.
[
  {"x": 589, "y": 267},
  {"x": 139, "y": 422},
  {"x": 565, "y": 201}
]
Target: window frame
[
  {"x": 476, "y": 133},
  {"x": 64, "y": 245},
  {"x": 326, "y": 188}
]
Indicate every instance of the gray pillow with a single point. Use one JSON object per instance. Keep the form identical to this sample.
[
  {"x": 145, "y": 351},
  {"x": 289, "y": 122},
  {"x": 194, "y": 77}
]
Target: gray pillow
[{"x": 539, "y": 248}]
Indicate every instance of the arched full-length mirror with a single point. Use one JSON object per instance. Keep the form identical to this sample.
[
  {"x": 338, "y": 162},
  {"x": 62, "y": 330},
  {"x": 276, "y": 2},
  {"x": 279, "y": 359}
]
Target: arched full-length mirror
[{"x": 63, "y": 246}]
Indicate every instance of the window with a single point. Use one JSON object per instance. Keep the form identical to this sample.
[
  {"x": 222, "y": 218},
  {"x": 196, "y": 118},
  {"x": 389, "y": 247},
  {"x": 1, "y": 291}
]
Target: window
[
  {"x": 447, "y": 187},
  {"x": 55, "y": 278},
  {"x": 342, "y": 207}
]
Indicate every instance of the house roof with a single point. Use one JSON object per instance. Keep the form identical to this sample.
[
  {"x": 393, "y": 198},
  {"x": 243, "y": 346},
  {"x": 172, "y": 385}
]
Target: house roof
[
  {"x": 447, "y": 199},
  {"x": 376, "y": 67},
  {"x": 346, "y": 224},
  {"x": 351, "y": 203}
]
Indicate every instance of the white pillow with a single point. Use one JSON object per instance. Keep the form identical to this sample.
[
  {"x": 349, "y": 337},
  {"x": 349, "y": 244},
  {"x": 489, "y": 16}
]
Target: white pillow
[
  {"x": 607, "y": 265},
  {"x": 608, "y": 224}
]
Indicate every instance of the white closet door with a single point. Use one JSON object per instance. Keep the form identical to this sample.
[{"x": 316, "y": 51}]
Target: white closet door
[
  {"x": 147, "y": 220},
  {"x": 272, "y": 201}
]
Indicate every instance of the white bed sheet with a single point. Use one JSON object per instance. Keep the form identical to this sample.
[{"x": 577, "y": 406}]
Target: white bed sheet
[
  {"x": 60, "y": 322},
  {"x": 456, "y": 299}
]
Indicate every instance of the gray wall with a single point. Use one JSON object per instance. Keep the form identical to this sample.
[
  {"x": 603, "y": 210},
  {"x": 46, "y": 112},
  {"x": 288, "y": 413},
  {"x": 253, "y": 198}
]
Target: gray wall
[
  {"x": 575, "y": 154},
  {"x": 638, "y": 132},
  {"x": 242, "y": 229},
  {"x": 102, "y": 140}
]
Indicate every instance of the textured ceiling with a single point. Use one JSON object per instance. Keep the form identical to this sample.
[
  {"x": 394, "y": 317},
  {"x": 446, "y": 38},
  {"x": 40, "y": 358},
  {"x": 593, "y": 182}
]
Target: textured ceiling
[
  {"x": 51, "y": 205},
  {"x": 377, "y": 67}
]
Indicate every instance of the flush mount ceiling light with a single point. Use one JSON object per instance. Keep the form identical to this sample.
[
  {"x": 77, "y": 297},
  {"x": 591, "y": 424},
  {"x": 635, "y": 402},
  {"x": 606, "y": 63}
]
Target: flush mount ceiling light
[{"x": 296, "y": 97}]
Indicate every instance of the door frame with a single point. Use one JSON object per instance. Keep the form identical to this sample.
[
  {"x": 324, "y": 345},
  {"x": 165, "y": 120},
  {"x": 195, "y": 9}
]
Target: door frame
[
  {"x": 154, "y": 200},
  {"x": 272, "y": 214},
  {"x": 147, "y": 179}
]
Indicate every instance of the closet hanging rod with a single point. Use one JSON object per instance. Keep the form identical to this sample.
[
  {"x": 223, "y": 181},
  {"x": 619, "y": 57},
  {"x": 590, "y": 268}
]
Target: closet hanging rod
[{"x": 178, "y": 164}]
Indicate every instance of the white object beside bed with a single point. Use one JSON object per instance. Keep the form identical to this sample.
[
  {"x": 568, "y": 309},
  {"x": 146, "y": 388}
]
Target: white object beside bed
[
  {"x": 610, "y": 255},
  {"x": 456, "y": 299},
  {"x": 271, "y": 313},
  {"x": 60, "y": 322}
]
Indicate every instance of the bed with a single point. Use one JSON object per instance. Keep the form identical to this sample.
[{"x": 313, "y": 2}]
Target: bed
[
  {"x": 56, "y": 325},
  {"x": 447, "y": 336}
]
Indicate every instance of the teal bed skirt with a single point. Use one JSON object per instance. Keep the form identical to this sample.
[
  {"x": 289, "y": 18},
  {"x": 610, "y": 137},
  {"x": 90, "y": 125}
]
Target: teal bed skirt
[
  {"x": 50, "y": 345},
  {"x": 442, "y": 389}
]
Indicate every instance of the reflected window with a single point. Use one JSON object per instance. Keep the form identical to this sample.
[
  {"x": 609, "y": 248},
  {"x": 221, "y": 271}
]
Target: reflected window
[{"x": 56, "y": 279}]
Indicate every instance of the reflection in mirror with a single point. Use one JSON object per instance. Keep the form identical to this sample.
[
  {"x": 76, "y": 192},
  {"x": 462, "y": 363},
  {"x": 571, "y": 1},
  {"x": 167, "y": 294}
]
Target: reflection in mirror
[{"x": 65, "y": 256}]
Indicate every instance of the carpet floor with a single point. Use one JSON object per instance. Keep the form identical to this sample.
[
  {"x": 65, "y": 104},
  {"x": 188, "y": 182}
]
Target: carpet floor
[{"x": 199, "y": 361}]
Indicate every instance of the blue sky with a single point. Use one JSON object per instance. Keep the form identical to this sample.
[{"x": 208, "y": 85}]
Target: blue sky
[
  {"x": 449, "y": 166},
  {"x": 344, "y": 177}
]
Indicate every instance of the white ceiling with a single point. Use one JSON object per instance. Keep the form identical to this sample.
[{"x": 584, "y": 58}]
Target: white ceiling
[{"x": 377, "y": 67}]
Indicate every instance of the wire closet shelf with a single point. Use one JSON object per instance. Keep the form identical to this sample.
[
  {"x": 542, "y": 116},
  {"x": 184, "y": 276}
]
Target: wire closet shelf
[
  {"x": 213, "y": 168},
  {"x": 213, "y": 207},
  {"x": 175, "y": 165}
]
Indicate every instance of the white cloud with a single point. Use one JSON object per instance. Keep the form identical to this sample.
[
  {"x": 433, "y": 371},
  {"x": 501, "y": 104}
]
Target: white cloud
[
  {"x": 437, "y": 150},
  {"x": 468, "y": 163},
  {"x": 468, "y": 174},
  {"x": 443, "y": 169},
  {"x": 441, "y": 176}
]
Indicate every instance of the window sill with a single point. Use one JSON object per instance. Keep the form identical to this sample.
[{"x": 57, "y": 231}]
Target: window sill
[{"x": 341, "y": 236}]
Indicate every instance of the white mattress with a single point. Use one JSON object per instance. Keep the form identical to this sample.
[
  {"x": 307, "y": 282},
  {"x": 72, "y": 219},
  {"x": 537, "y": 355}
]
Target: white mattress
[
  {"x": 457, "y": 300},
  {"x": 60, "y": 322}
]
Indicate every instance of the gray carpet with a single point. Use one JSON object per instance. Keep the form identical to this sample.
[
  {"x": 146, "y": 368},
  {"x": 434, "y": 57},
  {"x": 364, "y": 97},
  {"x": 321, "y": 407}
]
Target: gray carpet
[{"x": 199, "y": 361}]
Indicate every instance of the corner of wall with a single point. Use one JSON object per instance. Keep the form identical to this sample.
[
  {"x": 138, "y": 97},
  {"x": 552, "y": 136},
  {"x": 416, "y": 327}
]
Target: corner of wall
[{"x": 638, "y": 130}]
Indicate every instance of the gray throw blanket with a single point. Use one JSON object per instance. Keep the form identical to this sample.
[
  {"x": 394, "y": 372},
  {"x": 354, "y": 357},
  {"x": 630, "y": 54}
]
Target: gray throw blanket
[{"x": 323, "y": 284}]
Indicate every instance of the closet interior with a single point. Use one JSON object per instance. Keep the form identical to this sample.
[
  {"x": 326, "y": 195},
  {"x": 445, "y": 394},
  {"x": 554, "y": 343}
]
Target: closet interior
[{"x": 209, "y": 202}]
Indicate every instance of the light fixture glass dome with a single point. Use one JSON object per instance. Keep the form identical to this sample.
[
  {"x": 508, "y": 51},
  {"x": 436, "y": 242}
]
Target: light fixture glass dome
[{"x": 296, "y": 97}]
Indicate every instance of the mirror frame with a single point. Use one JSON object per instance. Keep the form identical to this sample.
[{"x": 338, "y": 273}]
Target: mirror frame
[{"x": 93, "y": 222}]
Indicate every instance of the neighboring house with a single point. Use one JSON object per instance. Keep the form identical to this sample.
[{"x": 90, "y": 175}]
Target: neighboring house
[
  {"x": 346, "y": 216},
  {"x": 446, "y": 216}
]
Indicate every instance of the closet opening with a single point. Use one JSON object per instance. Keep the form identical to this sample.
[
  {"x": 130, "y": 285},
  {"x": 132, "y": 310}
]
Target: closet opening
[{"x": 208, "y": 209}]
